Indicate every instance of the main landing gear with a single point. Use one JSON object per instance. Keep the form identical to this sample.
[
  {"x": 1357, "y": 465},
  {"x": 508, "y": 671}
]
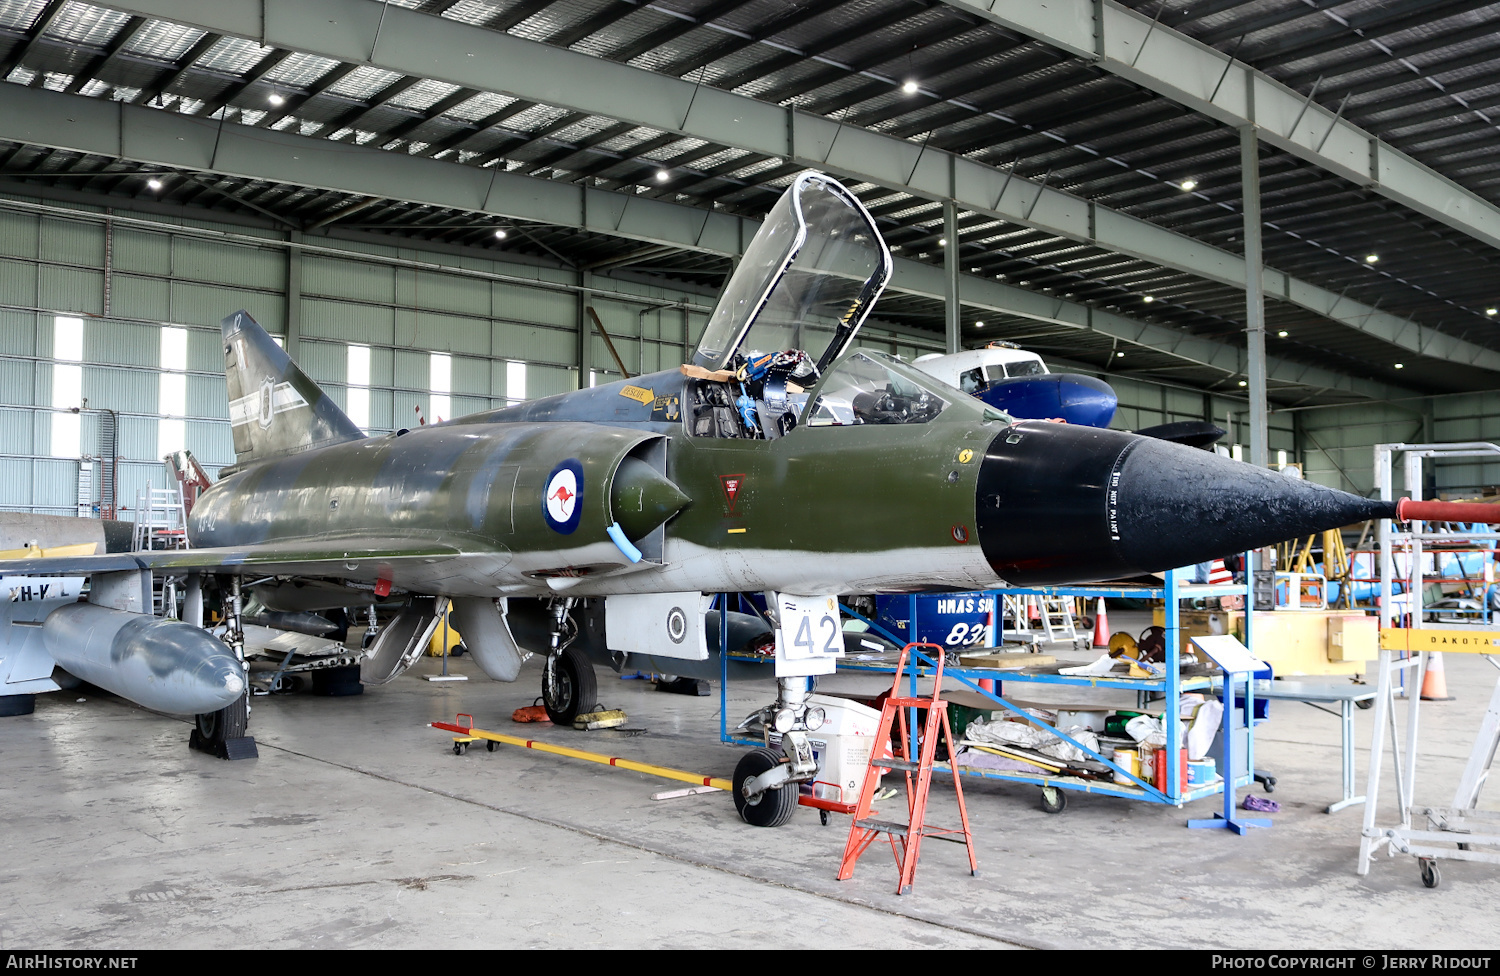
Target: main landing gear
[{"x": 569, "y": 687}]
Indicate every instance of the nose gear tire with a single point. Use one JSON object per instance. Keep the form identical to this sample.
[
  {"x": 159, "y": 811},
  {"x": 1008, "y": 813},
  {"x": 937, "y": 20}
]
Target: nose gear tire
[{"x": 773, "y": 807}]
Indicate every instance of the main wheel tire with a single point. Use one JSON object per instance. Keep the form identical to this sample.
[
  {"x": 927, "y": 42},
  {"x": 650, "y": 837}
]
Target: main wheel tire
[
  {"x": 577, "y": 690},
  {"x": 773, "y": 807},
  {"x": 17, "y": 705}
]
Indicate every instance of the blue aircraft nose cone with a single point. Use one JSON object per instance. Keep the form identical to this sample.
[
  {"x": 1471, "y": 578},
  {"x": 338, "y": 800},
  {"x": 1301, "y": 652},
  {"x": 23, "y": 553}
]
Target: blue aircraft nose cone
[{"x": 1076, "y": 398}]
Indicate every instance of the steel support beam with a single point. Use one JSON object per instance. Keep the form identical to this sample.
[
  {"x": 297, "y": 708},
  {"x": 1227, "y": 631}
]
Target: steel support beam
[
  {"x": 1255, "y": 299},
  {"x": 416, "y": 44},
  {"x": 293, "y": 296},
  {"x": 120, "y": 131},
  {"x": 1137, "y": 48},
  {"x": 952, "y": 308}
]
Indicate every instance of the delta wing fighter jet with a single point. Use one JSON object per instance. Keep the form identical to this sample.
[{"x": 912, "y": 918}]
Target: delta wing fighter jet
[{"x": 590, "y": 525}]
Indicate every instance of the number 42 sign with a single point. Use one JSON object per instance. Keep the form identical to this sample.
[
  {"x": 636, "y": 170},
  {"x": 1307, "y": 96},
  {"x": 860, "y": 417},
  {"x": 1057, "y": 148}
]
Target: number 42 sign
[{"x": 811, "y": 636}]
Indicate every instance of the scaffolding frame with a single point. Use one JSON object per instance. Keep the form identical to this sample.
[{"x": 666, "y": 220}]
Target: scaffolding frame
[{"x": 1460, "y": 824}]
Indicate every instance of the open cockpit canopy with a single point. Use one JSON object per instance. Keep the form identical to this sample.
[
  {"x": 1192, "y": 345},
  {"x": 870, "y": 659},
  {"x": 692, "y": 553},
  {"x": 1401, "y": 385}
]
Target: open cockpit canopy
[{"x": 807, "y": 281}]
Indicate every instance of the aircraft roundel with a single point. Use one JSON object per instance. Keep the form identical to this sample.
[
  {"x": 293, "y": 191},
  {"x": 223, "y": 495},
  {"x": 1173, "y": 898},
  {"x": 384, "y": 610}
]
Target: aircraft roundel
[{"x": 562, "y": 499}]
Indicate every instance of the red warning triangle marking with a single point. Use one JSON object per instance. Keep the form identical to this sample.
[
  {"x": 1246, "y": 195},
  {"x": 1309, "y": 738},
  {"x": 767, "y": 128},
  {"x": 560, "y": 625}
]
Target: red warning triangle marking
[{"x": 732, "y": 484}]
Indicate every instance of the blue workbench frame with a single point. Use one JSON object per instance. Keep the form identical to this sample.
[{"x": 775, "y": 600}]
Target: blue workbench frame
[{"x": 1172, "y": 685}]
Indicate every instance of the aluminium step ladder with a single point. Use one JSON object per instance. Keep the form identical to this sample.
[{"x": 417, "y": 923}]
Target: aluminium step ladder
[{"x": 906, "y": 838}]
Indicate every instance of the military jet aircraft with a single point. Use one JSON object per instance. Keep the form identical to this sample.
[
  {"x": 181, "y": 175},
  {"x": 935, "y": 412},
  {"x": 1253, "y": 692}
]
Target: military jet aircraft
[{"x": 589, "y": 526}]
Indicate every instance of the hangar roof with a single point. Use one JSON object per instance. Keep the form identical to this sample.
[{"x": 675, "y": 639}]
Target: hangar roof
[{"x": 1094, "y": 159}]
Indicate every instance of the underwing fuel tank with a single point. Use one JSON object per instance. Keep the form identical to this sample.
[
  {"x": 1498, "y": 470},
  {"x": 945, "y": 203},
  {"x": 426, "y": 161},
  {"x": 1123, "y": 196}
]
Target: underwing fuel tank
[
  {"x": 157, "y": 662},
  {"x": 1058, "y": 503}
]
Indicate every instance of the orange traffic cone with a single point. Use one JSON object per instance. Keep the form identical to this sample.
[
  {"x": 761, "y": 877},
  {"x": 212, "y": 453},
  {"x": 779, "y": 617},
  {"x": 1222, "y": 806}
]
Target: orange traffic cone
[
  {"x": 1032, "y": 613},
  {"x": 1434, "y": 682},
  {"x": 1101, "y": 626}
]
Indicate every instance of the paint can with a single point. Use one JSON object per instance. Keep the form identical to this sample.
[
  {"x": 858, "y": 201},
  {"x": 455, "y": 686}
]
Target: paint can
[{"x": 1128, "y": 760}]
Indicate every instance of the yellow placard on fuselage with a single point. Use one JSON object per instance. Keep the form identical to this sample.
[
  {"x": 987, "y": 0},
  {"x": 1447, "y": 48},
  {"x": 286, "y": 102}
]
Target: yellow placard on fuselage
[
  {"x": 1429, "y": 639},
  {"x": 636, "y": 393}
]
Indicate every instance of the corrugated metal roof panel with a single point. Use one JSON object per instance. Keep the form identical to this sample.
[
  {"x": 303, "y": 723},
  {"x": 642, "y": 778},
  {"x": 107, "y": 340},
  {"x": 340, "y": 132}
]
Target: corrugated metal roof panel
[
  {"x": 20, "y": 14},
  {"x": 363, "y": 82},
  {"x": 233, "y": 55},
  {"x": 84, "y": 23},
  {"x": 535, "y": 305},
  {"x": 473, "y": 11},
  {"x": 18, "y": 333},
  {"x": 72, "y": 242},
  {"x": 299, "y": 70},
  {"x": 195, "y": 304},
  {"x": 70, "y": 289},
  {"x": 126, "y": 390},
  {"x": 207, "y": 397},
  {"x": 480, "y": 106},
  {"x": 336, "y": 278},
  {"x": 15, "y": 483},
  {"x": 423, "y": 94},
  {"x": 210, "y": 442},
  {"x": 18, "y": 380},
  {"x": 18, "y": 234},
  {"x": 325, "y": 362},
  {"x": 163, "y": 41},
  {"x": 249, "y": 267},
  {"x": 16, "y": 432},
  {"x": 348, "y": 322},
  {"x": 137, "y": 251},
  {"x": 534, "y": 345},
  {"x": 115, "y": 343},
  {"x": 136, "y": 297}
]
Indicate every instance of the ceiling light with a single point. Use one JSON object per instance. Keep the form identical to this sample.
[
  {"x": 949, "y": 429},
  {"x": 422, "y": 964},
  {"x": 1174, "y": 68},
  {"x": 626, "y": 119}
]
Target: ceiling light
[
  {"x": 942, "y": 242},
  {"x": 1150, "y": 299},
  {"x": 1400, "y": 365},
  {"x": 275, "y": 99},
  {"x": 1282, "y": 333},
  {"x": 662, "y": 176},
  {"x": 1371, "y": 258},
  {"x": 154, "y": 183},
  {"x": 1491, "y": 311},
  {"x": 500, "y": 233},
  {"x": 1119, "y": 355},
  {"x": 1243, "y": 383},
  {"x": 979, "y": 324},
  {"x": 910, "y": 87},
  {"x": 1189, "y": 184}
]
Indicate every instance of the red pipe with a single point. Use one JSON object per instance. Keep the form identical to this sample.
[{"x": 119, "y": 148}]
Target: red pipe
[{"x": 1408, "y": 510}]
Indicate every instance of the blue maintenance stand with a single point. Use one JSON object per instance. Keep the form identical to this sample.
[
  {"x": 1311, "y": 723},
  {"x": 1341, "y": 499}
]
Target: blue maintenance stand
[
  {"x": 1171, "y": 686},
  {"x": 1238, "y": 667}
]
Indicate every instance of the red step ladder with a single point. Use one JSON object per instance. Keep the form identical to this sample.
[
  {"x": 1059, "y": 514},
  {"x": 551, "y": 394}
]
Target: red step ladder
[{"x": 906, "y": 838}]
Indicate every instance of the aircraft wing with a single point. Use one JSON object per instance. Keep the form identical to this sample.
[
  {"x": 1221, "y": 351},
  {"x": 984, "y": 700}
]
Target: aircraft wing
[{"x": 401, "y": 561}]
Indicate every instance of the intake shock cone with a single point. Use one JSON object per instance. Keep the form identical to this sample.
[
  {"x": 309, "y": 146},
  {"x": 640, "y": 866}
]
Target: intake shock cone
[{"x": 1059, "y": 503}]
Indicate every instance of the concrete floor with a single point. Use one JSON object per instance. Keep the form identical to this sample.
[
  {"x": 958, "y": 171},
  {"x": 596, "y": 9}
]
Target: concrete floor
[{"x": 358, "y": 827}]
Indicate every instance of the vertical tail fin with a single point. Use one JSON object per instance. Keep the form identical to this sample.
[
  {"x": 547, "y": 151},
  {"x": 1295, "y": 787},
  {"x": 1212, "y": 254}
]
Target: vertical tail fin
[{"x": 274, "y": 408}]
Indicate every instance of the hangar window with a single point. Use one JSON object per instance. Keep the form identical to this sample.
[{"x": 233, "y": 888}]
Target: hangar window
[
  {"x": 440, "y": 382},
  {"x": 171, "y": 397},
  {"x": 67, "y": 386},
  {"x": 515, "y": 382},
  {"x": 357, "y": 392}
]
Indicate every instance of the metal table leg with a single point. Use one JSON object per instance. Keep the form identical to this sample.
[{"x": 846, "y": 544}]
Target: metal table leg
[{"x": 1346, "y": 736}]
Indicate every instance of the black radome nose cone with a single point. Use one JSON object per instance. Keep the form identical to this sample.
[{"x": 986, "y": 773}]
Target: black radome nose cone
[{"x": 1059, "y": 503}]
